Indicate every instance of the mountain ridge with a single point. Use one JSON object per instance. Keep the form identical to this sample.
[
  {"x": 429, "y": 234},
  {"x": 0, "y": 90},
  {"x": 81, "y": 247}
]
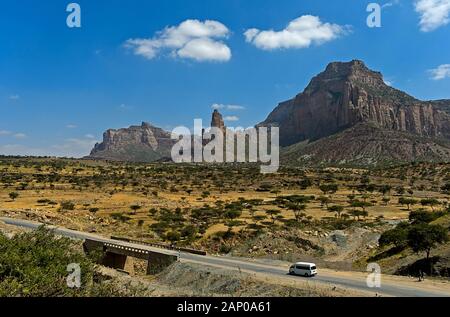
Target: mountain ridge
[
  {"x": 349, "y": 93},
  {"x": 346, "y": 115}
]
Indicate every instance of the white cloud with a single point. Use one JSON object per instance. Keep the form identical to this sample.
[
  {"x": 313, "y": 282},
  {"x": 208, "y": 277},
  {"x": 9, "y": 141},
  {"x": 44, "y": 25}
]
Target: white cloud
[
  {"x": 4, "y": 132},
  {"x": 218, "y": 106},
  {"x": 14, "y": 97},
  {"x": 71, "y": 126},
  {"x": 300, "y": 33},
  {"x": 89, "y": 136},
  {"x": 441, "y": 72},
  {"x": 231, "y": 118},
  {"x": 433, "y": 14},
  {"x": 192, "y": 39},
  {"x": 20, "y": 135}
]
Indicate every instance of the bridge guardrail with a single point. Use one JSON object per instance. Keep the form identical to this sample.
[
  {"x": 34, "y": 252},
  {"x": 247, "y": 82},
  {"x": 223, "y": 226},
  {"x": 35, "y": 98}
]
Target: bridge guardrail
[{"x": 161, "y": 245}]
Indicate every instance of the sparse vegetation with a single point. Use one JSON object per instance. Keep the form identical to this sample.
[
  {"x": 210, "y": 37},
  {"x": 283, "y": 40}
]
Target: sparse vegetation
[{"x": 220, "y": 208}]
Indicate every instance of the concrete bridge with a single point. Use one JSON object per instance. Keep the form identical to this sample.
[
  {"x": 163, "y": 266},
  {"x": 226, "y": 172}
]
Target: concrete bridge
[{"x": 120, "y": 256}]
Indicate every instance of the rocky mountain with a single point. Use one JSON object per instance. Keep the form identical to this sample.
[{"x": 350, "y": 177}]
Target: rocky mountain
[
  {"x": 351, "y": 106},
  {"x": 346, "y": 94},
  {"x": 144, "y": 143},
  {"x": 346, "y": 115}
]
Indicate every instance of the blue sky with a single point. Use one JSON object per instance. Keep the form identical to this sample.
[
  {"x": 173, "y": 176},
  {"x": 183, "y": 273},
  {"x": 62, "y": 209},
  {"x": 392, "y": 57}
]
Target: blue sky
[{"x": 61, "y": 88}]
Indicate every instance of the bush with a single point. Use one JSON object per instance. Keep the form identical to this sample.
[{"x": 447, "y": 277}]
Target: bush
[
  {"x": 13, "y": 195},
  {"x": 173, "y": 236},
  {"x": 35, "y": 265},
  {"x": 120, "y": 217},
  {"x": 67, "y": 205}
]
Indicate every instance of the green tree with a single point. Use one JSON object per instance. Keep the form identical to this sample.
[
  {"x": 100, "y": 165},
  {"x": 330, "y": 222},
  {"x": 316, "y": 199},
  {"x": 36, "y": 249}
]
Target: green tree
[
  {"x": 360, "y": 204},
  {"x": 324, "y": 201},
  {"x": 336, "y": 209},
  {"x": 407, "y": 201},
  {"x": 397, "y": 236},
  {"x": 425, "y": 237},
  {"x": 135, "y": 208},
  {"x": 432, "y": 202},
  {"x": 329, "y": 188}
]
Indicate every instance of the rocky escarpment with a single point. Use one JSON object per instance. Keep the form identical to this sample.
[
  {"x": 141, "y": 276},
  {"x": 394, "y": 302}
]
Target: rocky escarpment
[
  {"x": 144, "y": 143},
  {"x": 347, "y": 94}
]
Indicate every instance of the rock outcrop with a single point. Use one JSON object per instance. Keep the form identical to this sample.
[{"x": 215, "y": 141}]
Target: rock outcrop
[
  {"x": 217, "y": 120},
  {"x": 144, "y": 143},
  {"x": 347, "y": 94}
]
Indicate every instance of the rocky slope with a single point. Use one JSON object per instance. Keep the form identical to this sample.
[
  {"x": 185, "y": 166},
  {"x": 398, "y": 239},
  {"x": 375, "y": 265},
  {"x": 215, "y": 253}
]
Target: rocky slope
[
  {"x": 144, "y": 143},
  {"x": 367, "y": 145},
  {"x": 346, "y": 94}
]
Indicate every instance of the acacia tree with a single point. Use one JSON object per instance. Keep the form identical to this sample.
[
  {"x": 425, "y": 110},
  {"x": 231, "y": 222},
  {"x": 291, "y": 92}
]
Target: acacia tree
[
  {"x": 425, "y": 237},
  {"x": 329, "y": 189},
  {"x": 432, "y": 202},
  {"x": 407, "y": 201},
  {"x": 324, "y": 201},
  {"x": 336, "y": 209},
  {"x": 298, "y": 210},
  {"x": 135, "y": 208},
  {"x": 360, "y": 204}
]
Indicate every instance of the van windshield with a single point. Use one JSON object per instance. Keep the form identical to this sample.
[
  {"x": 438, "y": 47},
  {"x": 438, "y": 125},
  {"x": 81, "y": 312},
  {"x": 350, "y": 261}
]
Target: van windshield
[{"x": 313, "y": 268}]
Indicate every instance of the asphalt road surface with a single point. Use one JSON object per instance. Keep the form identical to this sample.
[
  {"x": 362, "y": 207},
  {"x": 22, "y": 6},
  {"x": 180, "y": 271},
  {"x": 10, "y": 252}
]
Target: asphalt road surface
[{"x": 355, "y": 281}]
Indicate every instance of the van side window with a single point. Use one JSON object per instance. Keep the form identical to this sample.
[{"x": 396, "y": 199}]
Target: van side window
[{"x": 302, "y": 267}]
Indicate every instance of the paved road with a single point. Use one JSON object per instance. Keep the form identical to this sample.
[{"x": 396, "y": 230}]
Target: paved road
[{"x": 355, "y": 281}]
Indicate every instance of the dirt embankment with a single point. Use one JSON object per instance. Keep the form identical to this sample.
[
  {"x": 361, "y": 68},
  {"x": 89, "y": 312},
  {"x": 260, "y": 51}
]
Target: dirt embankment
[
  {"x": 191, "y": 280},
  {"x": 336, "y": 249}
]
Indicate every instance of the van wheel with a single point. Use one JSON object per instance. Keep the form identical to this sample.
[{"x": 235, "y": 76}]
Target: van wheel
[{"x": 306, "y": 275}]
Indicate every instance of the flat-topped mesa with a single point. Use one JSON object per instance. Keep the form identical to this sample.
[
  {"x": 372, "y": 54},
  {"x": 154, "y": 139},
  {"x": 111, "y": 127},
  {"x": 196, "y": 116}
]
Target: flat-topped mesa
[
  {"x": 346, "y": 94},
  {"x": 144, "y": 143}
]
